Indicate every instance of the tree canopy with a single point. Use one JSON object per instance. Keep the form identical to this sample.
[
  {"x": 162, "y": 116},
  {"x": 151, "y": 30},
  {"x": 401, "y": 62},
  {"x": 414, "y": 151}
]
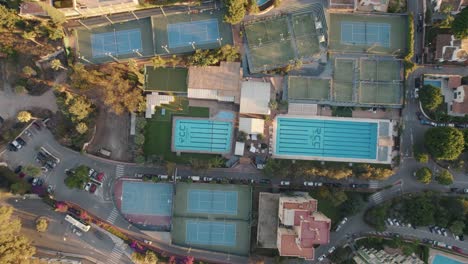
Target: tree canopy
[
  {"x": 460, "y": 24},
  {"x": 444, "y": 177},
  {"x": 444, "y": 143},
  {"x": 15, "y": 248},
  {"x": 24, "y": 116},
  {"x": 424, "y": 175},
  {"x": 235, "y": 11},
  {"x": 78, "y": 178},
  {"x": 148, "y": 258},
  {"x": 430, "y": 97}
]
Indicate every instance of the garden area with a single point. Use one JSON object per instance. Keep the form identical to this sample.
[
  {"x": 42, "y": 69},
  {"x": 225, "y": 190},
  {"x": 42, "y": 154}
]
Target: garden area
[
  {"x": 406, "y": 248},
  {"x": 423, "y": 209},
  {"x": 158, "y": 135}
]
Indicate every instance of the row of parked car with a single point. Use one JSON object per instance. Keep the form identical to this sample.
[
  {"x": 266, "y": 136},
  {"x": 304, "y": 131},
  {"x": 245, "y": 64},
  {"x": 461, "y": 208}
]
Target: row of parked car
[
  {"x": 424, "y": 121},
  {"x": 396, "y": 222},
  {"x": 96, "y": 179},
  {"x": 46, "y": 159},
  {"x": 18, "y": 143}
]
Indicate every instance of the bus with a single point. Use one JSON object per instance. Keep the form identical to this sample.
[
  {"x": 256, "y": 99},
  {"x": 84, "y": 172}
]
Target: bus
[{"x": 77, "y": 222}]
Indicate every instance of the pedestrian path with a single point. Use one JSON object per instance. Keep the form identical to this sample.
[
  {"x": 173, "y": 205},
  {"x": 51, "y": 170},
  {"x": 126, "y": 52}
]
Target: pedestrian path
[
  {"x": 119, "y": 171},
  {"x": 374, "y": 184},
  {"x": 376, "y": 198},
  {"x": 116, "y": 255},
  {"x": 113, "y": 216}
]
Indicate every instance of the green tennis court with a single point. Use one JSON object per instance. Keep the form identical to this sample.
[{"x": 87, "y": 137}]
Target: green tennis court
[
  {"x": 300, "y": 87},
  {"x": 215, "y": 233},
  {"x": 212, "y": 202},
  {"x": 380, "y": 93}
]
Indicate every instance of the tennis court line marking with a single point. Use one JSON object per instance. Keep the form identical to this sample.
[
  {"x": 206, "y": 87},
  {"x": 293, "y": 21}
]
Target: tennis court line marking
[
  {"x": 189, "y": 29},
  {"x": 195, "y": 237},
  {"x": 211, "y": 201},
  {"x": 365, "y": 26}
]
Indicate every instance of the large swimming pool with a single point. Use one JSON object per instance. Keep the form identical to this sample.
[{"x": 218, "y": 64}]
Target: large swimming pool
[
  {"x": 439, "y": 259},
  {"x": 436, "y": 83},
  {"x": 202, "y": 135},
  {"x": 332, "y": 138}
]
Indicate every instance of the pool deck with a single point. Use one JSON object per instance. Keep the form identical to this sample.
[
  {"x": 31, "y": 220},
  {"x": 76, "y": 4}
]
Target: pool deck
[
  {"x": 383, "y": 151},
  {"x": 433, "y": 252}
]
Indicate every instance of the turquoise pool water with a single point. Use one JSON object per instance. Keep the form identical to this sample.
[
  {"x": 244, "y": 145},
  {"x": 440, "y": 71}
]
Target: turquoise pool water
[
  {"x": 261, "y": 2},
  {"x": 202, "y": 135},
  {"x": 436, "y": 83},
  {"x": 439, "y": 259},
  {"x": 225, "y": 115},
  {"x": 326, "y": 138}
]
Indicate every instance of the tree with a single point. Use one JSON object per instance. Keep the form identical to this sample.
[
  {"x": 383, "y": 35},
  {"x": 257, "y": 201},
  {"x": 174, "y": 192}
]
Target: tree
[
  {"x": 31, "y": 170},
  {"x": 457, "y": 227},
  {"x": 19, "y": 89},
  {"x": 338, "y": 197},
  {"x": 444, "y": 177},
  {"x": 31, "y": 35},
  {"x": 202, "y": 58},
  {"x": 57, "y": 17},
  {"x": 8, "y": 18},
  {"x": 28, "y": 71},
  {"x": 353, "y": 205},
  {"x": 56, "y": 65},
  {"x": 253, "y": 7},
  {"x": 139, "y": 139},
  {"x": 83, "y": 79},
  {"x": 459, "y": 24},
  {"x": 235, "y": 11},
  {"x": 430, "y": 97},
  {"x": 148, "y": 258},
  {"x": 78, "y": 178},
  {"x": 121, "y": 96},
  {"x": 444, "y": 143},
  {"x": 273, "y": 104},
  {"x": 419, "y": 211},
  {"x": 15, "y": 248},
  {"x": 228, "y": 53},
  {"x": 158, "y": 62},
  {"x": 424, "y": 175},
  {"x": 79, "y": 108},
  {"x": 81, "y": 128},
  {"x": 42, "y": 224},
  {"x": 422, "y": 157},
  {"x": 24, "y": 116}
]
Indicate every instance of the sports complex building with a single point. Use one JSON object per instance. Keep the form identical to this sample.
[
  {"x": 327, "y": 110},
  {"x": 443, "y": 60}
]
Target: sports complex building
[
  {"x": 332, "y": 139},
  {"x": 213, "y": 217},
  {"x": 157, "y": 35}
]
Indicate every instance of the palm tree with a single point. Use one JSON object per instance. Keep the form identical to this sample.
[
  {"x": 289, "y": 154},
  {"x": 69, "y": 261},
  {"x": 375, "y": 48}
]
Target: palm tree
[
  {"x": 31, "y": 36},
  {"x": 56, "y": 65}
]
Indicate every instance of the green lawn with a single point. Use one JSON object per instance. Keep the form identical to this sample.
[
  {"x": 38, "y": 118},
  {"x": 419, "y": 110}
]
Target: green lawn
[{"x": 158, "y": 134}]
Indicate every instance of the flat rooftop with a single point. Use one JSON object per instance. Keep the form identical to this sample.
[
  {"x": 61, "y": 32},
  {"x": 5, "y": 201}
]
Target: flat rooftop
[
  {"x": 332, "y": 139},
  {"x": 201, "y": 135}
]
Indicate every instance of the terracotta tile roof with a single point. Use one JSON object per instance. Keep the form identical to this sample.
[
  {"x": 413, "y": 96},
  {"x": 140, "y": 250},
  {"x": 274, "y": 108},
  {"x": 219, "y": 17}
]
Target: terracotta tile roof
[
  {"x": 461, "y": 108},
  {"x": 455, "y": 4},
  {"x": 288, "y": 246},
  {"x": 454, "y": 82}
]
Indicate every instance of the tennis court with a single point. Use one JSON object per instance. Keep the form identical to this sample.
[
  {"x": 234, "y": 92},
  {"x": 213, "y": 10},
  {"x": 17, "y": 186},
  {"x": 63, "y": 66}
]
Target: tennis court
[
  {"x": 116, "y": 43},
  {"x": 380, "y": 93},
  {"x": 181, "y": 33},
  {"x": 300, "y": 87},
  {"x": 369, "y": 33},
  {"x": 125, "y": 40},
  {"x": 343, "y": 80},
  {"x": 279, "y": 40},
  {"x": 215, "y": 217},
  {"x": 166, "y": 79},
  {"x": 147, "y": 198},
  {"x": 362, "y": 33},
  {"x": 212, "y": 202},
  {"x": 210, "y": 233},
  {"x": 197, "y": 32}
]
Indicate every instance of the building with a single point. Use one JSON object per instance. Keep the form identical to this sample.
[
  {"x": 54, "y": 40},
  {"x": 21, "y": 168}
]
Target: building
[
  {"x": 332, "y": 139},
  {"x": 251, "y": 126},
  {"x": 301, "y": 227},
  {"x": 374, "y": 256},
  {"x": 342, "y": 4},
  {"x": 293, "y": 222},
  {"x": 255, "y": 97},
  {"x": 453, "y": 91},
  {"x": 450, "y": 49},
  {"x": 454, "y": 5},
  {"x": 221, "y": 83}
]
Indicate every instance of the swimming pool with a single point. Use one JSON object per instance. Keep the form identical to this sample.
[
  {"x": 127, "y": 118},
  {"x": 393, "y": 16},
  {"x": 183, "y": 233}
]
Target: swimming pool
[
  {"x": 201, "y": 135},
  {"x": 436, "y": 83},
  {"x": 325, "y": 138},
  {"x": 439, "y": 259},
  {"x": 261, "y": 2}
]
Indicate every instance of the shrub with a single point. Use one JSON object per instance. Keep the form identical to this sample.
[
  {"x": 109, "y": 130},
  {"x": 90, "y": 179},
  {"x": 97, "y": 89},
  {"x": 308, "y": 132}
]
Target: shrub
[
  {"x": 444, "y": 177},
  {"x": 424, "y": 175},
  {"x": 42, "y": 224}
]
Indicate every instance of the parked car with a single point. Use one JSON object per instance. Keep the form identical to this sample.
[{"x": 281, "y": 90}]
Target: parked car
[
  {"x": 353, "y": 185},
  {"x": 16, "y": 144},
  {"x": 207, "y": 179},
  {"x": 28, "y": 133},
  {"x": 21, "y": 141},
  {"x": 195, "y": 178},
  {"x": 321, "y": 258},
  {"x": 416, "y": 93},
  {"x": 12, "y": 147},
  {"x": 50, "y": 188},
  {"x": 37, "y": 182},
  {"x": 93, "y": 188},
  {"x": 91, "y": 171},
  {"x": 265, "y": 181},
  {"x": 331, "y": 250},
  {"x": 87, "y": 186},
  {"x": 363, "y": 185},
  {"x": 285, "y": 183}
]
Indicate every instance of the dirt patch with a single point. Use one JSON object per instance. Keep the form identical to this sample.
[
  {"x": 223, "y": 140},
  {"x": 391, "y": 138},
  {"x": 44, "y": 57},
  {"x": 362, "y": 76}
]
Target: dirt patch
[{"x": 112, "y": 133}]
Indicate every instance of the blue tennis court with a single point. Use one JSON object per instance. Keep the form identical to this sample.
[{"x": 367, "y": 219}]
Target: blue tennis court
[
  {"x": 196, "y": 32},
  {"x": 144, "y": 198},
  {"x": 210, "y": 233},
  {"x": 202, "y": 136},
  {"x": 362, "y": 33},
  {"x": 116, "y": 43},
  {"x": 212, "y": 202},
  {"x": 311, "y": 137}
]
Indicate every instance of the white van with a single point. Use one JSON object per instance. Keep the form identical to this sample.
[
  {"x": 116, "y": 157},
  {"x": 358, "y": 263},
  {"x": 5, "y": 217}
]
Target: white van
[
  {"x": 163, "y": 177},
  {"x": 195, "y": 178}
]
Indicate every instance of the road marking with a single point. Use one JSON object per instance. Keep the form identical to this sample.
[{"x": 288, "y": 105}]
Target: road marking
[
  {"x": 116, "y": 254},
  {"x": 374, "y": 184},
  {"x": 119, "y": 171},
  {"x": 376, "y": 197},
  {"x": 113, "y": 216}
]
